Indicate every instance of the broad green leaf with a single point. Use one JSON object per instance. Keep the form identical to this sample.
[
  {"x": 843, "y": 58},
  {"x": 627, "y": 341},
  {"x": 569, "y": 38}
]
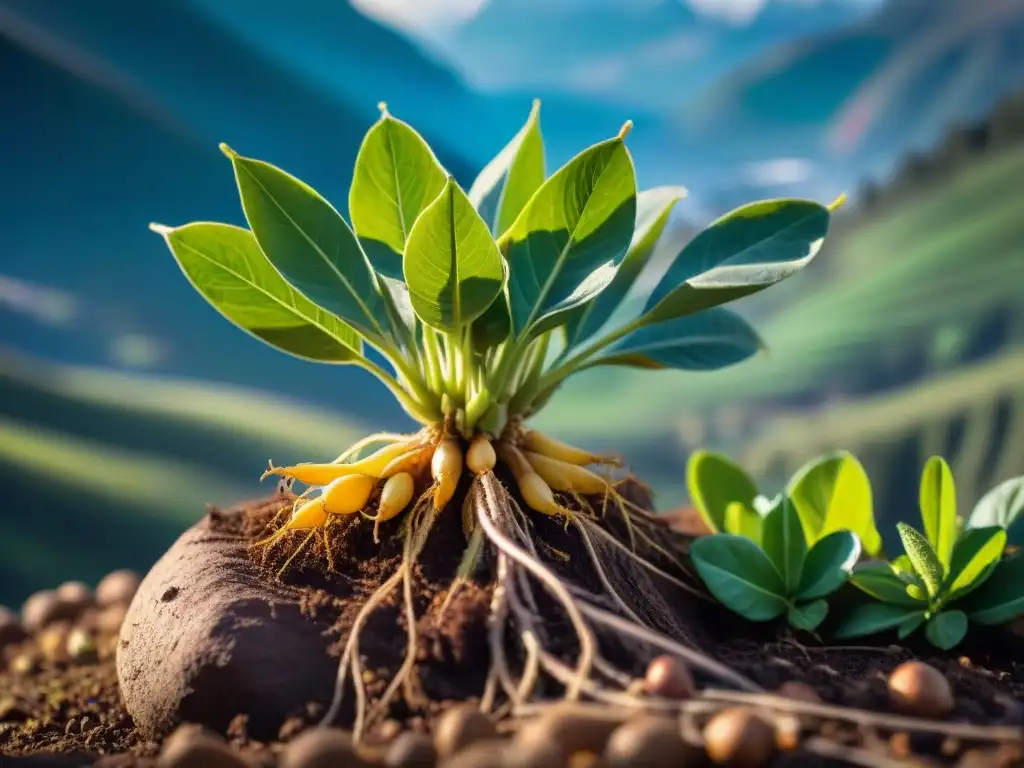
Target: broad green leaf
[
  {"x": 566, "y": 245},
  {"x": 1002, "y": 505},
  {"x": 808, "y": 616},
  {"x": 744, "y": 252},
  {"x": 492, "y": 327},
  {"x": 714, "y": 482},
  {"x": 653, "y": 209},
  {"x": 1001, "y": 598},
  {"x": 879, "y": 581},
  {"x": 783, "y": 541},
  {"x": 740, "y": 576},
  {"x": 452, "y": 266},
  {"x": 833, "y": 493},
  {"x": 396, "y": 177},
  {"x": 911, "y": 625},
  {"x": 926, "y": 563},
  {"x": 506, "y": 184},
  {"x": 741, "y": 520},
  {"x": 828, "y": 565},
  {"x": 946, "y": 629},
  {"x": 872, "y": 618},
  {"x": 710, "y": 340},
  {"x": 938, "y": 508},
  {"x": 227, "y": 267},
  {"x": 974, "y": 557},
  {"x": 311, "y": 245},
  {"x": 902, "y": 564}
]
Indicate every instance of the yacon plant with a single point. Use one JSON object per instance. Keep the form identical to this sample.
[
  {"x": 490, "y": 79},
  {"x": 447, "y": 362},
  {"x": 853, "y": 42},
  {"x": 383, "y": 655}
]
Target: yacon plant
[
  {"x": 473, "y": 308},
  {"x": 946, "y": 578},
  {"x": 775, "y": 573}
]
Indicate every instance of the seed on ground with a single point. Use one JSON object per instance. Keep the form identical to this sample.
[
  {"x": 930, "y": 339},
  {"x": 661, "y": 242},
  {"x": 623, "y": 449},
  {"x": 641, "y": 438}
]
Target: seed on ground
[
  {"x": 459, "y": 727},
  {"x": 81, "y": 647},
  {"x": 411, "y": 750},
  {"x": 52, "y": 642},
  {"x": 920, "y": 690},
  {"x": 74, "y": 597},
  {"x": 40, "y": 609},
  {"x": 669, "y": 678},
  {"x": 117, "y": 587},
  {"x": 193, "y": 747},
  {"x": 574, "y": 728},
  {"x": 11, "y": 630},
  {"x": 736, "y": 736},
  {"x": 322, "y": 748},
  {"x": 485, "y": 753},
  {"x": 649, "y": 740}
]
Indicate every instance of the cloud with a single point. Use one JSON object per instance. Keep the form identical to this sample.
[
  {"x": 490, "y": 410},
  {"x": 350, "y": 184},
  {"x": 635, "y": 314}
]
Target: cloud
[
  {"x": 771, "y": 173},
  {"x": 420, "y": 15},
  {"x": 739, "y": 12}
]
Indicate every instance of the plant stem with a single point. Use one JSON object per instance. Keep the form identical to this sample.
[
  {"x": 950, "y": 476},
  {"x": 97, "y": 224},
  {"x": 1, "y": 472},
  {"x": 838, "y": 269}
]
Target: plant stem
[
  {"x": 424, "y": 413},
  {"x": 573, "y": 363}
]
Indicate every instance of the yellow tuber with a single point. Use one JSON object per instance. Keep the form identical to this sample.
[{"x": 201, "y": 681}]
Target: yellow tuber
[
  {"x": 566, "y": 477},
  {"x": 480, "y": 458},
  {"x": 410, "y": 461},
  {"x": 538, "y": 442},
  {"x": 347, "y": 495},
  {"x": 446, "y": 469},
  {"x": 310, "y": 515},
  {"x": 394, "y": 496},
  {"x": 322, "y": 474},
  {"x": 536, "y": 493}
]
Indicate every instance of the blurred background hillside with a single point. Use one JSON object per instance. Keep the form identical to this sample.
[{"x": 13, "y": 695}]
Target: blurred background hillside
[{"x": 126, "y": 403}]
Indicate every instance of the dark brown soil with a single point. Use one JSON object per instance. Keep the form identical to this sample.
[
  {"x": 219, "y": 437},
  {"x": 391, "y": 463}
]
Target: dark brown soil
[{"x": 71, "y": 710}]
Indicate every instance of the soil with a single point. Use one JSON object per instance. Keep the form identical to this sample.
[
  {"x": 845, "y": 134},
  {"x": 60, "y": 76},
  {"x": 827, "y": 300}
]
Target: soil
[{"x": 64, "y": 710}]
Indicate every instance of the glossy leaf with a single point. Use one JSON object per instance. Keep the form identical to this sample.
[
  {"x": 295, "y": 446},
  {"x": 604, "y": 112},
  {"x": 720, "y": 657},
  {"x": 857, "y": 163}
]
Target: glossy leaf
[
  {"x": 740, "y": 576},
  {"x": 744, "y": 252},
  {"x": 911, "y": 624},
  {"x": 311, "y": 245},
  {"x": 396, "y": 177},
  {"x": 494, "y": 326},
  {"x": 833, "y": 493},
  {"x": 926, "y": 563},
  {"x": 452, "y": 266},
  {"x": 808, "y": 616},
  {"x": 710, "y": 340},
  {"x": 975, "y": 555},
  {"x": 227, "y": 267},
  {"x": 783, "y": 541},
  {"x": 938, "y": 508},
  {"x": 828, "y": 565},
  {"x": 1002, "y": 505},
  {"x": 1001, "y": 598},
  {"x": 714, "y": 482},
  {"x": 507, "y": 183},
  {"x": 570, "y": 238},
  {"x": 879, "y": 581},
  {"x": 741, "y": 520},
  {"x": 946, "y": 629},
  {"x": 871, "y": 619},
  {"x": 653, "y": 210}
]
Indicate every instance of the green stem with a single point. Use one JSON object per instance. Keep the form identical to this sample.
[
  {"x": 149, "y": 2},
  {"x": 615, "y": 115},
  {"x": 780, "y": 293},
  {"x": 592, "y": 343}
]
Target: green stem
[
  {"x": 534, "y": 370},
  {"x": 433, "y": 351}
]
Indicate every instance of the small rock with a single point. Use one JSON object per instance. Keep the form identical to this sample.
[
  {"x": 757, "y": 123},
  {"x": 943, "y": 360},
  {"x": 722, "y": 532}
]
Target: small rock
[
  {"x": 669, "y": 678},
  {"x": 535, "y": 753},
  {"x": 40, "y": 609},
  {"x": 192, "y": 747},
  {"x": 486, "y": 753},
  {"x": 738, "y": 737},
  {"x": 11, "y": 630},
  {"x": 459, "y": 727},
  {"x": 52, "y": 642},
  {"x": 109, "y": 620},
  {"x": 650, "y": 741},
  {"x": 24, "y": 664},
  {"x": 920, "y": 690},
  {"x": 793, "y": 689},
  {"x": 574, "y": 728},
  {"x": 117, "y": 588},
  {"x": 81, "y": 647},
  {"x": 322, "y": 748},
  {"x": 74, "y": 598},
  {"x": 411, "y": 750}
]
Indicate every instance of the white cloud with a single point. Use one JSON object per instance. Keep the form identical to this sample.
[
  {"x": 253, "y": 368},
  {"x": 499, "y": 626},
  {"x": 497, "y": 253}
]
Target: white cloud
[
  {"x": 740, "y": 12},
  {"x": 786, "y": 170},
  {"x": 420, "y": 15}
]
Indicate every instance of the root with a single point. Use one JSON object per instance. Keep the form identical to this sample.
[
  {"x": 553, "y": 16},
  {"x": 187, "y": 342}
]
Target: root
[{"x": 388, "y": 438}]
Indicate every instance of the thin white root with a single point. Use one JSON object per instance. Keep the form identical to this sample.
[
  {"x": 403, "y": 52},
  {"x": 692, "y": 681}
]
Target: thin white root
[{"x": 379, "y": 437}]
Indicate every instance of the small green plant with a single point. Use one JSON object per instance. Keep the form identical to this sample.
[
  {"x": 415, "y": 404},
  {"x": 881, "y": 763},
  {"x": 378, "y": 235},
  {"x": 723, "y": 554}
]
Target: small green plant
[
  {"x": 1002, "y": 506},
  {"x": 936, "y": 582},
  {"x": 776, "y": 573},
  {"x": 830, "y": 493}
]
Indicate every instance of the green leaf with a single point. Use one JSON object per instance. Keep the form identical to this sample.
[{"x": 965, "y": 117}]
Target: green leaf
[
  {"x": 507, "y": 183},
  {"x": 1000, "y": 599},
  {"x": 740, "y": 576},
  {"x": 452, "y": 266},
  {"x": 926, "y": 563},
  {"x": 310, "y": 244},
  {"x": 227, "y": 267},
  {"x": 570, "y": 238},
  {"x": 713, "y": 339},
  {"x": 396, "y": 177},
  {"x": 833, "y": 493},
  {"x": 808, "y": 616},
  {"x": 714, "y": 482},
  {"x": 879, "y": 581},
  {"x": 902, "y": 564},
  {"x": 653, "y": 209},
  {"x": 828, "y": 565},
  {"x": 744, "y": 252},
  {"x": 1000, "y": 506},
  {"x": 741, "y": 520},
  {"x": 974, "y": 557},
  {"x": 946, "y": 629},
  {"x": 938, "y": 508},
  {"x": 911, "y": 624},
  {"x": 871, "y": 619},
  {"x": 783, "y": 541},
  {"x": 492, "y": 327}
]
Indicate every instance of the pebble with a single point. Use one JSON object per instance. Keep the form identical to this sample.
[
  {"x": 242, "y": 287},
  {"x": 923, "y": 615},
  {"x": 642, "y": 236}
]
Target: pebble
[
  {"x": 109, "y": 620},
  {"x": 920, "y": 690},
  {"x": 40, "y": 609},
  {"x": 459, "y": 727},
  {"x": 574, "y": 728},
  {"x": 799, "y": 692},
  {"x": 411, "y": 750},
  {"x": 74, "y": 598},
  {"x": 193, "y": 747},
  {"x": 24, "y": 664},
  {"x": 11, "y": 630},
  {"x": 117, "y": 588},
  {"x": 322, "y": 748},
  {"x": 737, "y": 737},
  {"x": 81, "y": 647},
  {"x": 669, "y": 678},
  {"x": 650, "y": 741},
  {"x": 52, "y": 642},
  {"x": 484, "y": 753},
  {"x": 535, "y": 753}
]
